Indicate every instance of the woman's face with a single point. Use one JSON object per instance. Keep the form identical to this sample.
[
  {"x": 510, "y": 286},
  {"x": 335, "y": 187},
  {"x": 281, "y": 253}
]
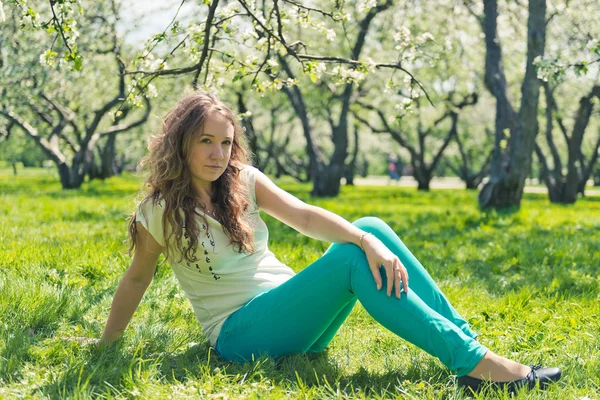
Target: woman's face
[{"x": 210, "y": 150}]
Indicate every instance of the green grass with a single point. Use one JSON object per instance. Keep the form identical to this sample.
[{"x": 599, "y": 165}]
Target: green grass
[{"x": 527, "y": 280}]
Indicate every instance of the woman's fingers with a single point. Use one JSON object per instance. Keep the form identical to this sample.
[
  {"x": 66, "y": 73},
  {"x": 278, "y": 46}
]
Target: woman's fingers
[
  {"x": 404, "y": 277},
  {"x": 389, "y": 269},
  {"x": 376, "y": 275},
  {"x": 397, "y": 277}
]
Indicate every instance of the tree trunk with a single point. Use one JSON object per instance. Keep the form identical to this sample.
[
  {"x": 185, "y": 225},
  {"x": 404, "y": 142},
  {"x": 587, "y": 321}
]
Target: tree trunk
[
  {"x": 422, "y": 175},
  {"x": 511, "y": 163},
  {"x": 351, "y": 166},
  {"x": 108, "y": 160},
  {"x": 423, "y": 185},
  {"x": 574, "y": 167},
  {"x": 327, "y": 180},
  {"x": 471, "y": 183}
]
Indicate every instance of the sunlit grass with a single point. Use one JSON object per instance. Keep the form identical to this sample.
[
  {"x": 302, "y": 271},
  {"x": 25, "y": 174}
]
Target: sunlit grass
[{"x": 527, "y": 280}]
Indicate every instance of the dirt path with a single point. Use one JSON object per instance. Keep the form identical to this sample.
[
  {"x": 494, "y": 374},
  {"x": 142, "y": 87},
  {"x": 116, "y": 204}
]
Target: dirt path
[{"x": 449, "y": 183}]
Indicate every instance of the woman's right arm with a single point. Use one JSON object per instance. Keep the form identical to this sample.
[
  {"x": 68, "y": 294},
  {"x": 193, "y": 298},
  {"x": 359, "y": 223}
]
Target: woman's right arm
[{"x": 133, "y": 285}]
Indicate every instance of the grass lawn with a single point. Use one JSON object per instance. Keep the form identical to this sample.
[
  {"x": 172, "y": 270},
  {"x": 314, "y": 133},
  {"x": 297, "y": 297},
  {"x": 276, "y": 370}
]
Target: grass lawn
[{"x": 528, "y": 282}]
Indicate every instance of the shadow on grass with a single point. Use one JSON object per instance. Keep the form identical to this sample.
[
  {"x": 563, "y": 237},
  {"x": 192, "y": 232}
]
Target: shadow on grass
[{"x": 115, "y": 371}]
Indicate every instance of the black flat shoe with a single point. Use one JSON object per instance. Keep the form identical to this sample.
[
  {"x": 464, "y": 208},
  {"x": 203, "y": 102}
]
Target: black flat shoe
[{"x": 545, "y": 376}]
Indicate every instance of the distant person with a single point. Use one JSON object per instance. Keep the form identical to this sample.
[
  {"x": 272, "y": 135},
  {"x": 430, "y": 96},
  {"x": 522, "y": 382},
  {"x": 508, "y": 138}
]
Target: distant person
[
  {"x": 202, "y": 211},
  {"x": 393, "y": 169}
]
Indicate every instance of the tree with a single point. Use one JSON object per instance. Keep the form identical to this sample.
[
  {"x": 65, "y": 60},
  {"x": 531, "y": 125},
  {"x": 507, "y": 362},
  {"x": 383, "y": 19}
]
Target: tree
[
  {"x": 272, "y": 150},
  {"x": 69, "y": 128},
  {"x": 469, "y": 155},
  {"x": 423, "y": 170},
  {"x": 219, "y": 51},
  {"x": 515, "y": 131},
  {"x": 563, "y": 188},
  {"x": 565, "y": 71}
]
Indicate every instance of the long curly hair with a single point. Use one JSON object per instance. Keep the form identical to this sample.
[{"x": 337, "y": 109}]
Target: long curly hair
[{"x": 169, "y": 180}]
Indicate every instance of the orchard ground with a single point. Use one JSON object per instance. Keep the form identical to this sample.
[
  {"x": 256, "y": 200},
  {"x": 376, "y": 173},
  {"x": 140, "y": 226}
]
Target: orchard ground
[{"x": 527, "y": 280}]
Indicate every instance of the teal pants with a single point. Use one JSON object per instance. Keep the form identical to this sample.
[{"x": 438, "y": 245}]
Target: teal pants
[{"x": 303, "y": 314}]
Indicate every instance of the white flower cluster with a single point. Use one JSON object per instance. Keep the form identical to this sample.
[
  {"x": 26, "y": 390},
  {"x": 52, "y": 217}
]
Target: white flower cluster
[
  {"x": 29, "y": 20},
  {"x": 298, "y": 17},
  {"x": 230, "y": 9},
  {"x": 404, "y": 104},
  {"x": 448, "y": 45},
  {"x": 425, "y": 37},
  {"x": 301, "y": 18},
  {"x": 134, "y": 98},
  {"x": 347, "y": 75},
  {"x": 48, "y": 58},
  {"x": 151, "y": 63},
  {"x": 549, "y": 68},
  {"x": 402, "y": 37},
  {"x": 276, "y": 84},
  {"x": 249, "y": 33},
  {"x": 320, "y": 69},
  {"x": 371, "y": 65},
  {"x": 365, "y": 5},
  {"x": 151, "y": 91},
  {"x": 330, "y": 35}
]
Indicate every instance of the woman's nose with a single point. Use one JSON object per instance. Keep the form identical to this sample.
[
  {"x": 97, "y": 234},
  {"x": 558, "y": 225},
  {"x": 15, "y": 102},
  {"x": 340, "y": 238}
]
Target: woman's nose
[{"x": 218, "y": 152}]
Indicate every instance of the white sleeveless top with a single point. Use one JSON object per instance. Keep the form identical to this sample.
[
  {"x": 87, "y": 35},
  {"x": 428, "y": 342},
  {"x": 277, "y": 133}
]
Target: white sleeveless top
[{"x": 221, "y": 280}]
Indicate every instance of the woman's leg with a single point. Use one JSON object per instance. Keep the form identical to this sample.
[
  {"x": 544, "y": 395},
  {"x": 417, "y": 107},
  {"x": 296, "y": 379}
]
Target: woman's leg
[
  {"x": 327, "y": 336},
  {"x": 420, "y": 281},
  {"x": 294, "y": 316}
]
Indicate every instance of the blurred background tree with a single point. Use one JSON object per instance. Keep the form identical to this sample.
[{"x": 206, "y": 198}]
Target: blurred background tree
[{"x": 325, "y": 90}]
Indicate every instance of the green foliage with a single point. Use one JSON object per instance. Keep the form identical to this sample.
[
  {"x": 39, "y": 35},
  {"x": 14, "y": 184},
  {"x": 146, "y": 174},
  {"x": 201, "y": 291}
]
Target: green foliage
[{"x": 528, "y": 281}]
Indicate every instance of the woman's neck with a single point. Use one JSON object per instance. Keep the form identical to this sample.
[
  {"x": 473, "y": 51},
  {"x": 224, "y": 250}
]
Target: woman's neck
[{"x": 204, "y": 192}]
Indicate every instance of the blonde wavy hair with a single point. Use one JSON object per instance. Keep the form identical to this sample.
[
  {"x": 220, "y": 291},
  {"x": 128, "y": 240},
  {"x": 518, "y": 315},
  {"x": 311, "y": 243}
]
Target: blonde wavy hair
[{"x": 169, "y": 180}]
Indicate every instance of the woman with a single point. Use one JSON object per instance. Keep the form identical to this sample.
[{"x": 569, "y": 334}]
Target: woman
[{"x": 202, "y": 212}]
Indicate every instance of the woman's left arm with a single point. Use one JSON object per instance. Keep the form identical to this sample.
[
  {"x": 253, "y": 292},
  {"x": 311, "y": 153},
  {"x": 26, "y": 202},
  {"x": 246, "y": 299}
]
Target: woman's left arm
[{"x": 318, "y": 223}]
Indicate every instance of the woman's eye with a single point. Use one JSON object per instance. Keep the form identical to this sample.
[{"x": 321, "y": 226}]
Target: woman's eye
[
  {"x": 205, "y": 140},
  {"x": 227, "y": 142}
]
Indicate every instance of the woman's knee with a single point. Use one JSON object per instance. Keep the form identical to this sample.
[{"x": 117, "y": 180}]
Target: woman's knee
[{"x": 374, "y": 225}]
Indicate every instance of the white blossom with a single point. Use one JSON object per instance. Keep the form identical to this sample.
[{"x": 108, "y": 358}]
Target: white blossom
[
  {"x": 365, "y": 5},
  {"x": 248, "y": 34},
  {"x": 331, "y": 35},
  {"x": 195, "y": 29},
  {"x": 402, "y": 37},
  {"x": 2, "y": 16},
  {"x": 349, "y": 75},
  {"x": 46, "y": 60},
  {"x": 278, "y": 84},
  {"x": 424, "y": 38},
  {"x": 29, "y": 20},
  {"x": 152, "y": 63},
  {"x": 251, "y": 59},
  {"x": 272, "y": 62},
  {"x": 372, "y": 65},
  {"x": 320, "y": 69},
  {"x": 230, "y": 9},
  {"x": 261, "y": 41},
  {"x": 151, "y": 91},
  {"x": 448, "y": 45}
]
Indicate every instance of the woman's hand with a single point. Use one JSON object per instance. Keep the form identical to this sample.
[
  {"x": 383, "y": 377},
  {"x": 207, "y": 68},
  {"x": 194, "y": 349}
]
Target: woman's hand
[{"x": 378, "y": 254}]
